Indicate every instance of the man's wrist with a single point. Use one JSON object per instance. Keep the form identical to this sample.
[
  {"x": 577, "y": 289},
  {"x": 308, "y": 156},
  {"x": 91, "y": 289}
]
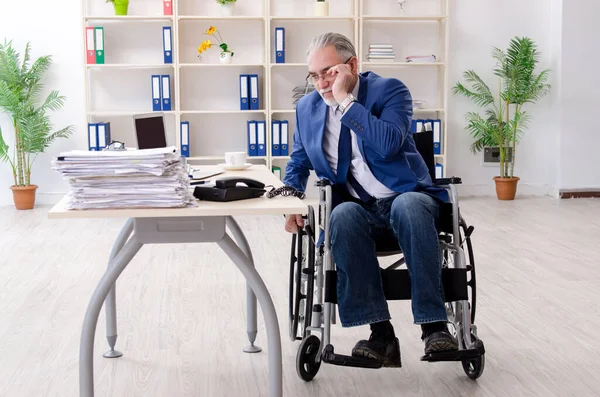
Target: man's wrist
[{"x": 347, "y": 102}]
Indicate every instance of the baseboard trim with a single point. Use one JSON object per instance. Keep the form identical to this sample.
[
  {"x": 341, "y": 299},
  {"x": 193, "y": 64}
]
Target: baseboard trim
[{"x": 568, "y": 194}]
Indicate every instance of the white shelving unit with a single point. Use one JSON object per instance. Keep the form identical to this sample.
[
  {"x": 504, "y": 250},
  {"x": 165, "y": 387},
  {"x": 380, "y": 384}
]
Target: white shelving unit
[{"x": 206, "y": 92}]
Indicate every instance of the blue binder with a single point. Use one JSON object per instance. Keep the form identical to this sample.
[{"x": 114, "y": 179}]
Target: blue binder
[
  {"x": 166, "y": 92},
  {"x": 244, "y": 97},
  {"x": 168, "y": 44},
  {"x": 184, "y": 138},
  {"x": 253, "y": 92},
  {"x": 275, "y": 138},
  {"x": 284, "y": 137},
  {"x": 93, "y": 136},
  {"x": 103, "y": 133},
  {"x": 279, "y": 45},
  {"x": 261, "y": 137},
  {"x": 437, "y": 136},
  {"x": 252, "y": 138},
  {"x": 156, "y": 93}
]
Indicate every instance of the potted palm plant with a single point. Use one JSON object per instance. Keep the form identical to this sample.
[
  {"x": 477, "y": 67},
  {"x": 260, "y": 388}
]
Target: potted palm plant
[
  {"x": 505, "y": 121},
  {"x": 20, "y": 87}
]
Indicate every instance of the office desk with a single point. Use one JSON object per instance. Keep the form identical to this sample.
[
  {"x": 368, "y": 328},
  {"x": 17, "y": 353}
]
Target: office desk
[{"x": 203, "y": 224}]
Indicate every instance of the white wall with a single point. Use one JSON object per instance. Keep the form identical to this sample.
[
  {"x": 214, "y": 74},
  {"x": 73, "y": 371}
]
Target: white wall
[
  {"x": 580, "y": 98},
  {"x": 476, "y": 26},
  {"x": 31, "y": 21}
]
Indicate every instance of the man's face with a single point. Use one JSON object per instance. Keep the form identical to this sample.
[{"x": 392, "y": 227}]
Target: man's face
[{"x": 319, "y": 61}]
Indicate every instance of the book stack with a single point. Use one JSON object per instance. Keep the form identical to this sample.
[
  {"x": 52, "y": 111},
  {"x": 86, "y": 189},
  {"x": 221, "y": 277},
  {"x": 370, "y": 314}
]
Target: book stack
[
  {"x": 146, "y": 178},
  {"x": 421, "y": 58},
  {"x": 299, "y": 91},
  {"x": 381, "y": 52}
]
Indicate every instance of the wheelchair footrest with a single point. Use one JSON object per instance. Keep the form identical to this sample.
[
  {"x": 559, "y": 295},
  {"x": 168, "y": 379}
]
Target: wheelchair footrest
[
  {"x": 458, "y": 355},
  {"x": 348, "y": 361}
]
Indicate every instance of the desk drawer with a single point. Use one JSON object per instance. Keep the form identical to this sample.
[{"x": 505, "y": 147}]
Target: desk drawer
[{"x": 179, "y": 229}]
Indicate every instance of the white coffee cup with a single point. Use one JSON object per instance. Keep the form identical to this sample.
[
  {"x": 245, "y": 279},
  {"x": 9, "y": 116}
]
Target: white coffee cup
[{"x": 235, "y": 159}]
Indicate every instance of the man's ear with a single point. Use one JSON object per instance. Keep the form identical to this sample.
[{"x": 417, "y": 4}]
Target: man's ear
[{"x": 354, "y": 65}]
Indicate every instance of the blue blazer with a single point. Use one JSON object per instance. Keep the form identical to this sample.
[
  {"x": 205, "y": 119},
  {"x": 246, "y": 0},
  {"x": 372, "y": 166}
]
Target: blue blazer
[{"x": 381, "y": 120}]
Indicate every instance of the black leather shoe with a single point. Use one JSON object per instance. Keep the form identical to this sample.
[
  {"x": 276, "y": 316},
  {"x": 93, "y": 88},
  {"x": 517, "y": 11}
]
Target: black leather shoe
[
  {"x": 440, "y": 341},
  {"x": 377, "y": 348}
]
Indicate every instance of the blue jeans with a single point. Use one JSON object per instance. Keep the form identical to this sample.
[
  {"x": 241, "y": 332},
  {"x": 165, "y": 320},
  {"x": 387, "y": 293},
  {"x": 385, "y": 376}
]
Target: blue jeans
[{"x": 412, "y": 218}]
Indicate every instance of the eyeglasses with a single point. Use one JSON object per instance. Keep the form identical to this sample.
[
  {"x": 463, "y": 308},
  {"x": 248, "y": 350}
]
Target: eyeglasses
[
  {"x": 115, "y": 145},
  {"x": 313, "y": 78}
]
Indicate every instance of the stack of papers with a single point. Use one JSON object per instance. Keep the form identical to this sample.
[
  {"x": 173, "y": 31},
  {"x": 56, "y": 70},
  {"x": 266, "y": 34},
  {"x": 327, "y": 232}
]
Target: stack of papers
[
  {"x": 421, "y": 58},
  {"x": 147, "y": 178},
  {"x": 380, "y": 52}
]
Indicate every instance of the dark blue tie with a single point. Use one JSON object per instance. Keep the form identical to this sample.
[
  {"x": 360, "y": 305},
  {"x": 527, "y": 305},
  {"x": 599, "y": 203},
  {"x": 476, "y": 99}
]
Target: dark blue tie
[{"x": 343, "y": 167}]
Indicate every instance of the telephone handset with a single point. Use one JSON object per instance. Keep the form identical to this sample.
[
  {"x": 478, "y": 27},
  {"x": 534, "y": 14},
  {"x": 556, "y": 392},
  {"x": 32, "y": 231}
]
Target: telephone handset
[{"x": 230, "y": 189}]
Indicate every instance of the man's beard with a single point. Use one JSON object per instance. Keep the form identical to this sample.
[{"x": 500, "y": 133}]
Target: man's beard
[{"x": 329, "y": 102}]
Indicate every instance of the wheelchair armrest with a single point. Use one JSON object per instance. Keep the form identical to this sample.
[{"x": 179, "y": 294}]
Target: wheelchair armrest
[
  {"x": 323, "y": 182},
  {"x": 447, "y": 181}
]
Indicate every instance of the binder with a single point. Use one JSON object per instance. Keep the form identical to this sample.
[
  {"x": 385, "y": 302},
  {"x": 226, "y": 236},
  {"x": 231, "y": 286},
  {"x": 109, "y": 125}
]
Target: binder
[
  {"x": 103, "y": 135},
  {"x": 99, "y": 33},
  {"x": 275, "y": 138},
  {"x": 437, "y": 136},
  {"x": 156, "y": 96},
  {"x": 166, "y": 92},
  {"x": 90, "y": 45},
  {"x": 93, "y": 136},
  {"x": 244, "y": 99},
  {"x": 167, "y": 7},
  {"x": 284, "y": 138},
  {"x": 277, "y": 171},
  {"x": 261, "y": 137},
  {"x": 279, "y": 45},
  {"x": 252, "y": 138},
  {"x": 184, "y": 138},
  {"x": 439, "y": 171},
  {"x": 168, "y": 44},
  {"x": 254, "y": 100}
]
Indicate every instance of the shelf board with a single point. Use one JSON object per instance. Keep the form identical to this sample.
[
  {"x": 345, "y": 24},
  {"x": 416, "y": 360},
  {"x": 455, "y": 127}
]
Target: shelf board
[
  {"x": 283, "y": 110},
  {"x": 289, "y": 64},
  {"x": 425, "y": 110},
  {"x": 404, "y": 18},
  {"x": 280, "y": 157},
  {"x": 130, "y": 18},
  {"x": 403, "y": 64},
  {"x": 222, "y": 111},
  {"x": 312, "y": 18},
  {"x": 128, "y": 66},
  {"x": 209, "y": 65},
  {"x": 125, "y": 112},
  {"x": 205, "y": 18}
]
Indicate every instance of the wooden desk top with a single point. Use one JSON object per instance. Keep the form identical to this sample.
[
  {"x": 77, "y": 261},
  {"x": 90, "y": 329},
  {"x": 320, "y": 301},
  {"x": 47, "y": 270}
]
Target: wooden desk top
[{"x": 277, "y": 205}]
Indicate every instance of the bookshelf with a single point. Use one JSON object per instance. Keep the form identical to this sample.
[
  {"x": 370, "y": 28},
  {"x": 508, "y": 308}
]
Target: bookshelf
[{"x": 206, "y": 93}]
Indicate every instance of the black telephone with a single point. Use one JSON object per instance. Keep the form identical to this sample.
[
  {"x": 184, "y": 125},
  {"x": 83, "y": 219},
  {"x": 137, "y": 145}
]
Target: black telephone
[{"x": 230, "y": 189}]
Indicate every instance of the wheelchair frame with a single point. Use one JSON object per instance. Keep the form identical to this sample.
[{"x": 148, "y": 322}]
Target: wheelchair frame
[{"x": 312, "y": 310}]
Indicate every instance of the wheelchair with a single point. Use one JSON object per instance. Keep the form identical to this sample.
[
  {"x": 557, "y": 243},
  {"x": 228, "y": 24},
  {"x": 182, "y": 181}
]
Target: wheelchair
[{"x": 312, "y": 283}]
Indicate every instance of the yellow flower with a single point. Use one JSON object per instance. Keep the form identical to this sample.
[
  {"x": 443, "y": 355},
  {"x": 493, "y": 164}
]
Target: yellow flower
[
  {"x": 211, "y": 30},
  {"x": 204, "y": 46}
]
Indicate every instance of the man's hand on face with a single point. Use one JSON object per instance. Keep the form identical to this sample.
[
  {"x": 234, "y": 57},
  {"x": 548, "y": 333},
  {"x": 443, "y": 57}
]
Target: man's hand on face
[
  {"x": 344, "y": 81},
  {"x": 292, "y": 222}
]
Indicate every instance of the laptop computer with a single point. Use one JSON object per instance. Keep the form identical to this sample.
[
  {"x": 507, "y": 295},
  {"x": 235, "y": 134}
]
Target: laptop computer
[{"x": 150, "y": 130}]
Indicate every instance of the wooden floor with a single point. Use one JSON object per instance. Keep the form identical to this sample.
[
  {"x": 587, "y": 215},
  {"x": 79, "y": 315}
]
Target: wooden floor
[{"x": 181, "y": 311}]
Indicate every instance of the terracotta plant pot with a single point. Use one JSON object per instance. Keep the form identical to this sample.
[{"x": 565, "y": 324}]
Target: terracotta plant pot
[
  {"x": 506, "y": 188},
  {"x": 24, "y": 196}
]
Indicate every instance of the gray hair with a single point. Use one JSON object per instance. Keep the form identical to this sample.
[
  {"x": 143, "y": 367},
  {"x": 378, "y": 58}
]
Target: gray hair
[{"x": 342, "y": 44}]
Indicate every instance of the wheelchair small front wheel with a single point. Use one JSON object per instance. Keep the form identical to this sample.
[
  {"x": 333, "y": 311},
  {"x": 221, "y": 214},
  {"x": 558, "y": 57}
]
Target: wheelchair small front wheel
[
  {"x": 474, "y": 367},
  {"x": 308, "y": 361}
]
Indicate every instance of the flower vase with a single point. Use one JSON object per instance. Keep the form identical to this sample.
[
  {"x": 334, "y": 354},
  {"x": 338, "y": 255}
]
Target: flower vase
[
  {"x": 225, "y": 57},
  {"x": 227, "y": 9},
  {"x": 321, "y": 9}
]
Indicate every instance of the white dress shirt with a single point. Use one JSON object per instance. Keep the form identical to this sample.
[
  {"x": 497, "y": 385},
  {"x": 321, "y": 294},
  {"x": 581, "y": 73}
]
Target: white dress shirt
[{"x": 358, "y": 166}]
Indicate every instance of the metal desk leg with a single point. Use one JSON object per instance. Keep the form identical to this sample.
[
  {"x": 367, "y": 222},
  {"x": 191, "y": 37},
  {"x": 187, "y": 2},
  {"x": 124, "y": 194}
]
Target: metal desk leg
[
  {"x": 251, "y": 313},
  {"x": 111, "y": 300},
  {"x": 266, "y": 304},
  {"x": 86, "y": 362}
]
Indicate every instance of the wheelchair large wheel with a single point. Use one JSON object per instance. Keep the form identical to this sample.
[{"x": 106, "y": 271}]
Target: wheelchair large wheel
[
  {"x": 307, "y": 358},
  {"x": 301, "y": 283}
]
